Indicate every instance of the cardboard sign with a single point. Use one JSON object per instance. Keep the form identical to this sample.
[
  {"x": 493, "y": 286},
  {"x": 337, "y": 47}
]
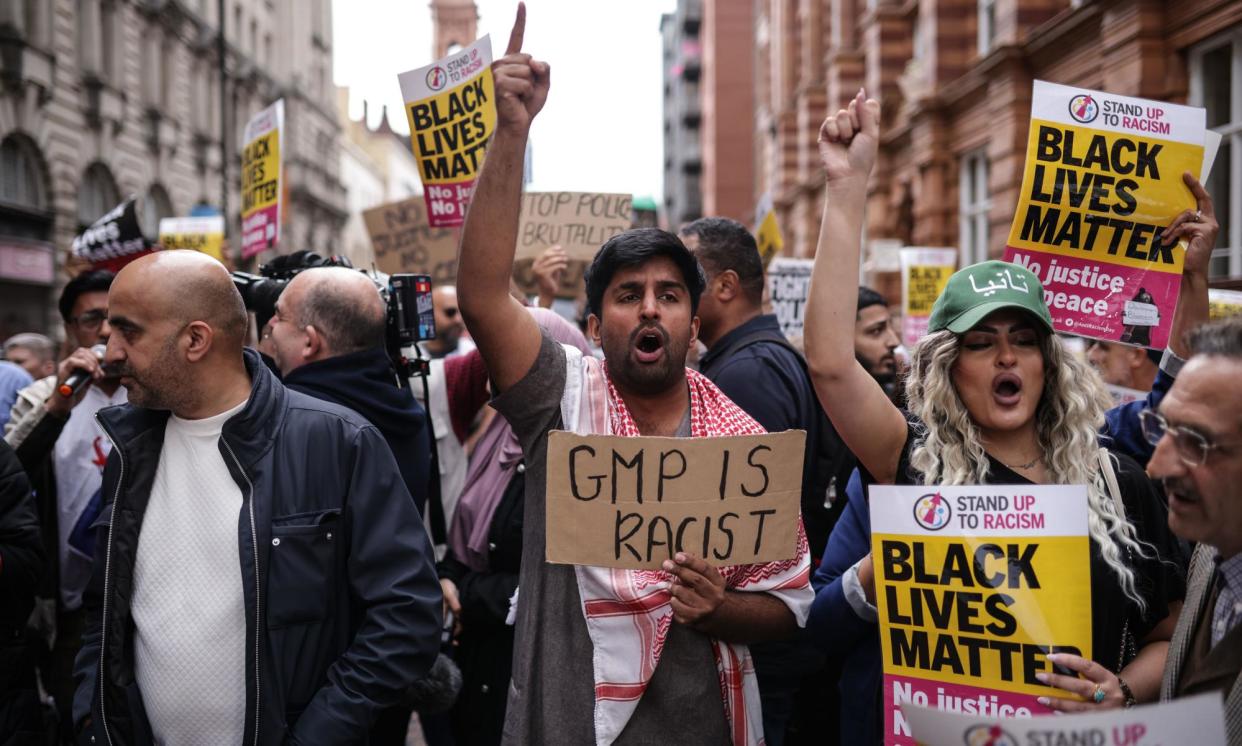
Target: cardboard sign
[
  {"x": 572, "y": 284},
  {"x": 113, "y": 240},
  {"x": 1199, "y": 720},
  {"x": 1223, "y": 303},
  {"x": 451, "y": 108},
  {"x": 789, "y": 281},
  {"x": 579, "y": 222},
  {"x": 404, "y": 241},
  {"x": 767, "y": 230},
  {"x": 924, "y": 273},
  {"x": 635, "y": 502},
  {"x": 1103, "y": 178},
  {"x": 261, "y": 192},
  {"x": 975, "y": 585},
  {"x": 205, "y": 234}
]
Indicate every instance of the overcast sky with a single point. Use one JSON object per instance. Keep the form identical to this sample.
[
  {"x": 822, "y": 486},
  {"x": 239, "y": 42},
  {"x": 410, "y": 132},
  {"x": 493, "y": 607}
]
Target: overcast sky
[{"x": 601, "y": 129}]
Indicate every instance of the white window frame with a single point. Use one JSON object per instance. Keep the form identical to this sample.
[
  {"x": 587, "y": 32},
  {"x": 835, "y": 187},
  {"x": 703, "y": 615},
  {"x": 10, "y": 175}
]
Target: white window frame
[
  {"x": 1230, "y": 132},
  {"x": 985, "y": 26},
  {"x": 974, "y": 167}
]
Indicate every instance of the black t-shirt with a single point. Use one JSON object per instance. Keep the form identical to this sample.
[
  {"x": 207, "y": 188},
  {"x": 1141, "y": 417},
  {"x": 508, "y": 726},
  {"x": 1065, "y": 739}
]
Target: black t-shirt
[{"x": 1159, "y": 576}]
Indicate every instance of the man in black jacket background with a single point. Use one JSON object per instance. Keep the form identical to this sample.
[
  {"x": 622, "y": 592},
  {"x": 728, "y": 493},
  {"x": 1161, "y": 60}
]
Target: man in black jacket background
[
  {"x": 338, "y": 597},
  {"x": 327, "y": 338}
]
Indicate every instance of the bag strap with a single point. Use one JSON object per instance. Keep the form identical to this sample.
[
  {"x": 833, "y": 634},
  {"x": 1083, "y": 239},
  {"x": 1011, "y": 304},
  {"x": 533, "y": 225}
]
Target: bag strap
[{"x": 1110, "y": 478}]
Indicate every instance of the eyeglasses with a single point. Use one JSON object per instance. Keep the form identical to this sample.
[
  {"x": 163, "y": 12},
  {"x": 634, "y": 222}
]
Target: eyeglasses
[
  {"x": 1192, "y": 447},
  {"x": 90, "y": 321}
]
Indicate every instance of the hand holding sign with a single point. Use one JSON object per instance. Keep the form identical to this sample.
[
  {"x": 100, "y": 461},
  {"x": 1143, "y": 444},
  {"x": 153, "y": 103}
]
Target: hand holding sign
[
  {"x": 1198, "y": 226},
  {"x": 848, "y": 140},
  {"x": 521, "y": 81},
  {"x": 548, "y": 269},
  {"x": 698, "y": 588},
  {"x": 1094, "y": 677}
]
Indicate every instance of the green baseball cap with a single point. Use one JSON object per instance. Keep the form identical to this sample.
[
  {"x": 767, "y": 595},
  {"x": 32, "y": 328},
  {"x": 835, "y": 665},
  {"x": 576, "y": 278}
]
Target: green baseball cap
[{"x": 974, "y": 292}]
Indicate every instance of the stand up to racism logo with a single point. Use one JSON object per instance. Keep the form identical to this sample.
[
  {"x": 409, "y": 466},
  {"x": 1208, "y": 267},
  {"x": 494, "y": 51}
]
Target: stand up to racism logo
[
  {"x": 932, "y": 511},
  {"x": 1083, "y": 108}
]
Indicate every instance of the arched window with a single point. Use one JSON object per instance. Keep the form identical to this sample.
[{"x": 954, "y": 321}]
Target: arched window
[
  {"x": 21, "y": 174},
  {"x": 156, "y": 206},
  {"x": 97, "y": 194}
]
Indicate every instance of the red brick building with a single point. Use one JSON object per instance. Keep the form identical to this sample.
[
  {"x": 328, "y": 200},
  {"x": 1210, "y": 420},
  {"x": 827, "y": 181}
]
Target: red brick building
[{"x": 954, "y": 79}]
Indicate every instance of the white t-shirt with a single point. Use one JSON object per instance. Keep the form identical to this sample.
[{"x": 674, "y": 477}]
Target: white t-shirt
[
  {"x": 188, "y": 605},
  {"x": 79, "y": 457}
]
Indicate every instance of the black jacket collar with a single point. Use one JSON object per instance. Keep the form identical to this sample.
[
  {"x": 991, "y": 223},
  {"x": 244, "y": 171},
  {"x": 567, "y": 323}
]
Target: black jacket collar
[{"x": 250, "y": 432}]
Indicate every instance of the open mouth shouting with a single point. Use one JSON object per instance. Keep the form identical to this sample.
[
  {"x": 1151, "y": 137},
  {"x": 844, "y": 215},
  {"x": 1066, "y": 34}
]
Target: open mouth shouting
[
  {"x": 1007, "y": 389},
  {"x": 649, "y": 343}
]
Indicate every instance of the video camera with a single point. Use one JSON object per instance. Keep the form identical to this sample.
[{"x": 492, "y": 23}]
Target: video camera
[{"x": 411, "y": 318}]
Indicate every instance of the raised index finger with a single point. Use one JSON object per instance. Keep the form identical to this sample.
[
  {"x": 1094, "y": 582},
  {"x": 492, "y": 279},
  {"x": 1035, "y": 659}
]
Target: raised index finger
[{"x": 519, "y": 30}]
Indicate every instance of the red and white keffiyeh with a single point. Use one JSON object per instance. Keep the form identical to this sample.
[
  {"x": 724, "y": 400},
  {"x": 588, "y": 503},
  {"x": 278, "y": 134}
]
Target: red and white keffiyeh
[{"x": 627, "y": 611}]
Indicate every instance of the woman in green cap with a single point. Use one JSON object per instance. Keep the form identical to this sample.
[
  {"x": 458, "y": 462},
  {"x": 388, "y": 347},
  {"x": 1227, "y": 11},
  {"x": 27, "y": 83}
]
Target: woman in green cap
[{"x": 994, "y": 398}]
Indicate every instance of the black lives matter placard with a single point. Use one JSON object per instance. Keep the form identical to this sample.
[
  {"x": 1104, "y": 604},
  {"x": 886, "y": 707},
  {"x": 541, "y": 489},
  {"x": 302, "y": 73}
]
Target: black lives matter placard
[
  {"x": 975, "y": 585},
  {"x": 1103, "y": 176},
  {"x": 451, "y": 108},
  {"x": 634, "y": 502}
]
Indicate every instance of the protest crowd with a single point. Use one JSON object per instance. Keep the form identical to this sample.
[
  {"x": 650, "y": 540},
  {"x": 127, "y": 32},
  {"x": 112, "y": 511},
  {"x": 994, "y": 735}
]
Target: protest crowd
[{"x": 325, "y": 506}]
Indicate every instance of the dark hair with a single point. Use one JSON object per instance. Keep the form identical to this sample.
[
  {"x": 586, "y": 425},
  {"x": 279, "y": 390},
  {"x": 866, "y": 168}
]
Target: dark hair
[
  {"x": 726, "y": 244},
  {"x": 91, "y": 281},
  {"x": 635, "y": 247},
  {"x": 1220, "y": 338},
  {"x": 868, "y": 297},
  {"x": 347, "y": 325}
]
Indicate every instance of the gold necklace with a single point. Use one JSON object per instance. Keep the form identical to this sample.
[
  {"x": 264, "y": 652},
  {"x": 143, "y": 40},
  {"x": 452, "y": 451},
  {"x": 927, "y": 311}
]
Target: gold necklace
[{"x": 1025, "y": 466}]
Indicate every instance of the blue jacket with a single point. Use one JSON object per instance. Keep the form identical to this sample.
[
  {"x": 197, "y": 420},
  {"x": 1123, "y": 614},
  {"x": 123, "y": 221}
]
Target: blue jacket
[
  {"x": 839, "y": 631},
  {"x": 350, "y": 611}
]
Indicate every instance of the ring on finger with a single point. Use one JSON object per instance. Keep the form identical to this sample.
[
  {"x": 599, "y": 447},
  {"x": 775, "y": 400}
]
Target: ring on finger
[
  {"x": 1098, "y": 695},
  {"x": 1198, "y": 216}
]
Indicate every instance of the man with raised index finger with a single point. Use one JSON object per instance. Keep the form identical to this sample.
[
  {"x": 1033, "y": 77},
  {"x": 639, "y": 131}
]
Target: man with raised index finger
[{"x": 613, "y": 656}]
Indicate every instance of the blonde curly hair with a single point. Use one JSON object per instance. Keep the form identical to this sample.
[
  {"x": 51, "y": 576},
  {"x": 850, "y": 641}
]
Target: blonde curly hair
[{"x": 949, "y": 450}]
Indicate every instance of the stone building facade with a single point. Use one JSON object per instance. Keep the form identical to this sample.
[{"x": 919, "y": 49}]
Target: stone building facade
[
  {"x": 100, "y": 99},
  {"x": 954, "y": 79}
]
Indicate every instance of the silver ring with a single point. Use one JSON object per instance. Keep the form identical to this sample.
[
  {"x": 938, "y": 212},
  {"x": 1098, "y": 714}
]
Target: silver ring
[{"x": 1198, "y": 216}]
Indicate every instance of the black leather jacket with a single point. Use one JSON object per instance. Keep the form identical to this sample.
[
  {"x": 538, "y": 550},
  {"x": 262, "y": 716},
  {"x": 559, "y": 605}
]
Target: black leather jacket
[{"x": 341, "y": 596}]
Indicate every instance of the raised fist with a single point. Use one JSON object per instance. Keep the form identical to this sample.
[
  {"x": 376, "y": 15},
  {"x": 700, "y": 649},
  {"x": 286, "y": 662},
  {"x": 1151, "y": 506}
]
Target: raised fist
[{"x": 849, "y": 139}]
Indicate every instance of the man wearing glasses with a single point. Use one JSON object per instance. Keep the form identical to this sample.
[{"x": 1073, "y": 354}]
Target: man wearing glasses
[
  {"x": 63, "y": 450},
  {"x": 1197, "y": 434}
]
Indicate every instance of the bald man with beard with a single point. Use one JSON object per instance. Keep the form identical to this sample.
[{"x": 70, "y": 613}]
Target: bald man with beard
[{"x": 261, "y": 573}]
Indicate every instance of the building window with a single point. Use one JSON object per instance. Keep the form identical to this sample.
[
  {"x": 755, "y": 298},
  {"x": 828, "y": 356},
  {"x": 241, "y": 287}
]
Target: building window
[
  {"x": 156, "y": 206},
  {"x": 986, "y": 26},
  {"x": 975, "y": 203},
  {"x": 1215, "y": 76},
  {"x": 21, "y": 174},
  {"x": 97, "y": 194},
  {"x": 108, "y": 67}
]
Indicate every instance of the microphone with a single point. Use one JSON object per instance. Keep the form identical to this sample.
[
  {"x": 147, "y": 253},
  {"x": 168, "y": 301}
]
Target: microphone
[{"x": 78, "y": 378}]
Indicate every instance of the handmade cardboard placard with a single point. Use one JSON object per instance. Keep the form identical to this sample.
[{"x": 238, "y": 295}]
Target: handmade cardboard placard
[
  {"x": 405, "y": 242},
  {"x": 634, "y": 502},
  {"x": 578, "y": 222}
]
